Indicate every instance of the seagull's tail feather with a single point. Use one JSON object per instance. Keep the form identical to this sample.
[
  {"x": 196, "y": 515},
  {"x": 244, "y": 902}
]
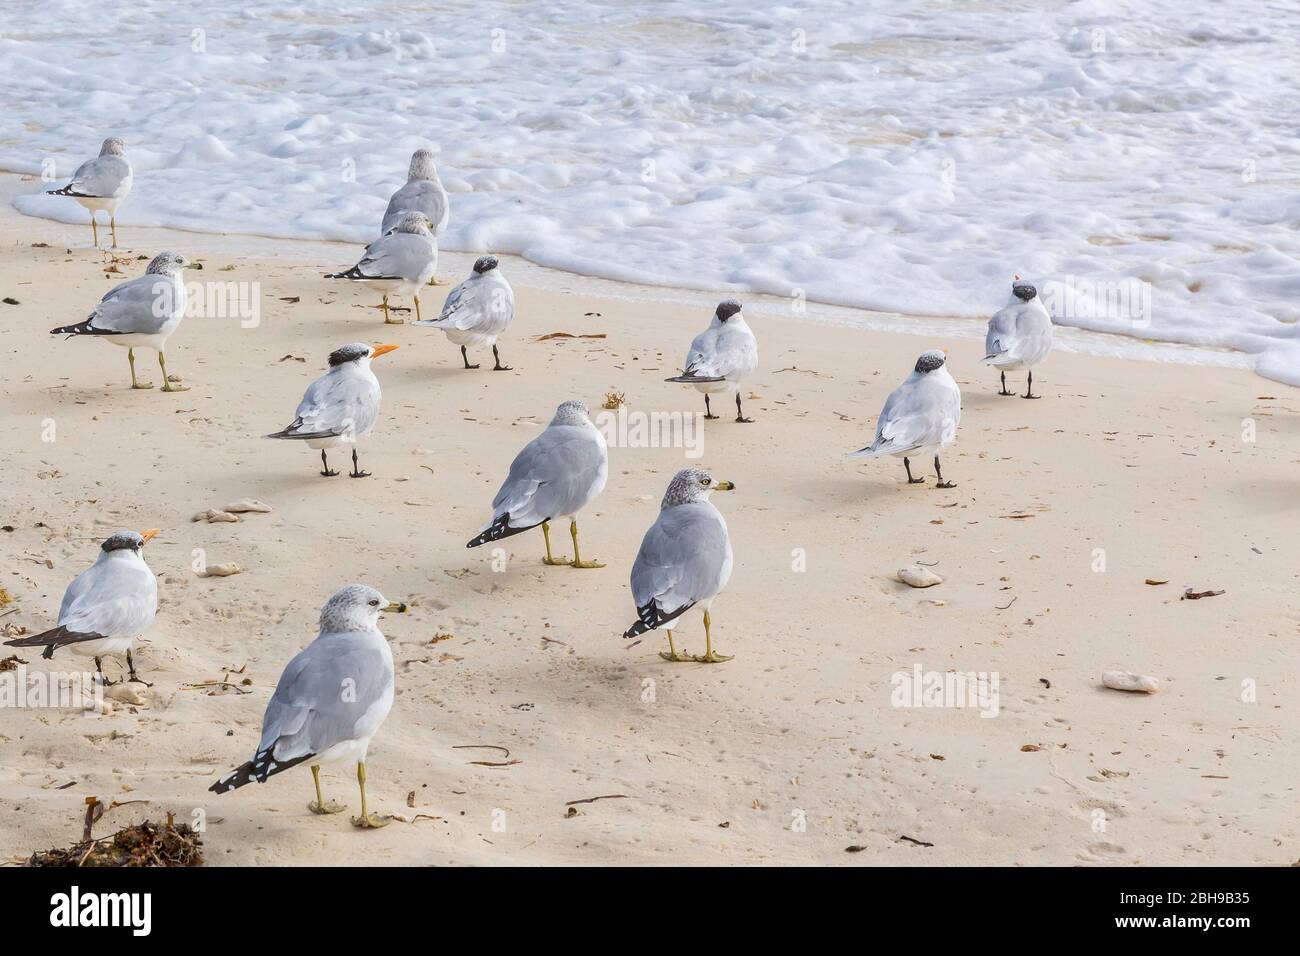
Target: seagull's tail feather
[
  {"x": 996, "y": 358},
  {"x": 82, "y": 328},
  {"x": 498, "y": 529},
  {"x": 353, "y": 273},
  {"x": 649, "y": 617},
  {"x": 871, "y": 451},
  {"x": 259, "y": 768},
  {"x": 693, "y": 379},
  {"x": 53, "y": 639},
  {"x": 292, "y": 431}
]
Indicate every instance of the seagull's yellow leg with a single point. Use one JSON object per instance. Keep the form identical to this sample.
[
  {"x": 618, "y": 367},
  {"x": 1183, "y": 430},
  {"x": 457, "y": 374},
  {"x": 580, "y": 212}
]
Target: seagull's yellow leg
[
  {"x": 672, "y": 654},
  {"x": 387, "y": 319},
  {"x": 546, "y": 536},
  {"x": 130, "y": 357},
  {"x": 94, "y": 228},
  {"x": 577, "y": 559},
  {"x": 112, "y": 223},
  {"x": 417, "y": 308},
  {"x": 168, "y": 386},
  {"x": 367, "y": 820},
  {"x": 710, "y": 657},
  {"x": 319, "y": 806}
]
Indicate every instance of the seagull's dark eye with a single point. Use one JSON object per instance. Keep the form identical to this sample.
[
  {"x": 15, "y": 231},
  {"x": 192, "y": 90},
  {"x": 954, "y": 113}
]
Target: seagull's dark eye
[
  {"x": 374, "y": 603},
  {"x": 705, "y": 481}
]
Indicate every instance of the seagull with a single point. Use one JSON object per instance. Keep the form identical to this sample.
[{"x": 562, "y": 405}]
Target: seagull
[
  {"x": 685, "y": 560},
  {"x": 399, "y": 262},
  {"x": 330, "y": 701},
  {"x": 423, "y": 192},
  {"x": 1019, "y": 336},
  {"x": 340, "y": 406},
  {"x": 143, "y": 311},
  {"x": 106, "y": 606},
  {"x": 557, "y": 474},
  {"x": 721, "y": 357},
  {"x": 477, "y": 311},
  {"x": 101, "y": 183},
  {"x": 919, "y": 417}
]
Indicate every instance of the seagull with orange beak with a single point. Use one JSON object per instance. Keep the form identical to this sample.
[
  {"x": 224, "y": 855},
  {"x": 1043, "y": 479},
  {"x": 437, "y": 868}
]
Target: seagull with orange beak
[
  {"x": 107, "y": 606},
  {"x": 920, "y": 417},
  {"x": 340, "y": 406}
]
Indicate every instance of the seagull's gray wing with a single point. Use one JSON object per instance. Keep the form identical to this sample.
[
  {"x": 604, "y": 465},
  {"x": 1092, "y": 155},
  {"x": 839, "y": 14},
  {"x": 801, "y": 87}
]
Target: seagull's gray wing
[
  {"x": 681, "y": 561},
  {"x": 553, "y": 475},
  {"x": 1001, "y": 335},
  {"x": 104, "y": 177},
  {"x": 142, "y": 305},
  {"x": 422, "y": 195},
  {"x": 335, "y": 404},
  {"x": 322, "y": 695},
  {"x": 923, "y": 411},
  {"x": 403, "y": 255},
  {"x": 110, "y": 598},
  {"x": 463, "y": 309}
]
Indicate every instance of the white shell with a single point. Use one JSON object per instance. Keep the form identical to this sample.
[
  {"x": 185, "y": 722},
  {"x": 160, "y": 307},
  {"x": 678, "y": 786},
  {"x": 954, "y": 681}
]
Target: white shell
[
  {"x": 212, "y": 515},
  {"x": 221, "y": 570},
  {"x": 918, "y": 577},
  {"x": 248, "y": 504},
  {"x": 1126, "y": 680}
]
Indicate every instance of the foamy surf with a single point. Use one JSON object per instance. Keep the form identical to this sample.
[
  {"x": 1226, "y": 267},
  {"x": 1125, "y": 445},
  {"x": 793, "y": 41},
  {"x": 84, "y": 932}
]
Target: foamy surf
[{"x": 1130, "y": 162}]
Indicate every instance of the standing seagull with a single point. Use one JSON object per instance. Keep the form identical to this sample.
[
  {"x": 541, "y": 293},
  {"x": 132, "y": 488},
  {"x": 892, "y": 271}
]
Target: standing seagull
[
  {"x": 106, "y": 606},
  {"x": 557, "y": 474},
  {"x": 919, "y": 417},
  {"x": 399, "y": 262},
  {"x": 101, "y": 183},
  {"x": 340, "y": 406},
  {"x": 477, "y": 311},
  {"x": 331, "y": 699},
  {"x": 721, "y": 357},
  {"x": 685, "y": 560},
  {"x": 1019, "y": 336},
  {"x": 423, "y": 192},
  {"x": 142, "y": 311}
]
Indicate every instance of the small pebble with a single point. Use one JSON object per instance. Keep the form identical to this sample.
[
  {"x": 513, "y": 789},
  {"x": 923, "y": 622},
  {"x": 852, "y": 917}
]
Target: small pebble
[
  {"x": 918, "y": 577},
  {"x": 1126, "y": 680}
]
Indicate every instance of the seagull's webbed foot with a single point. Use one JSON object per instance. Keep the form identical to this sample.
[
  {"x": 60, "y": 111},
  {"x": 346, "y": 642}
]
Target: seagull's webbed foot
[
  {"x": 356, "y": 471},
  {"x": 367, "y": 820},
  {"x": 498, "y": 367},
  {"x": 326, "y": 470},
  {"x": 672, "y": 654},
  {"x": 946, "y": 484},
  {"x": 740, "y": 416},
  {"x": 464, "y": 357},
  {"x": 320, "y": 806},
  {"x": 131, "y": 676},
  {"x": 550, "y": 561},
  {"x": 167, "y": 384},
  {"x": 710, "y": 656},
  {"x": 577, "y": 561},
  {"x": 1005, "y": 390},
  {"x": 142, "y": 385},
  {"x": 907, "y": 466},
  {"x": 328, "y": 807},
  {"x": 1029, "y": 388}
]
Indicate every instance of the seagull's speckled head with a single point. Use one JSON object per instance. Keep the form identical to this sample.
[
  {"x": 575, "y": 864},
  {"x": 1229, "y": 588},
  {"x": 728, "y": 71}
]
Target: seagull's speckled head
[
  {"x": 931, "y": 360},
  {"x": 691, "y": 485},
  {"x": 355, "y": 608}
]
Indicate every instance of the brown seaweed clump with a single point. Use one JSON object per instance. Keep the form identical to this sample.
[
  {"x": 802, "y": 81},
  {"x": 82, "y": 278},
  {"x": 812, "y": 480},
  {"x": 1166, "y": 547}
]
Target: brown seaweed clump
[{"x": 143, "y": 844}]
